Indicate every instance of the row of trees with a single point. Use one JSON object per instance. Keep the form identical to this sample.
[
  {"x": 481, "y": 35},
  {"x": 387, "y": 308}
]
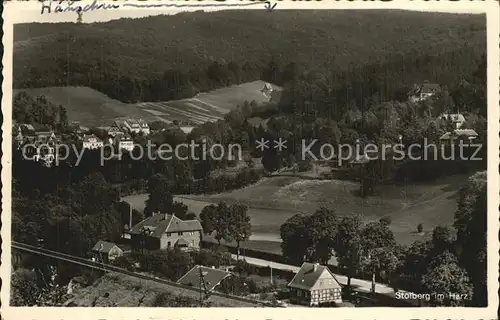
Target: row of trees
[
  {"x": 459, "y": 252},
  {"x": 39, "y": 110}
]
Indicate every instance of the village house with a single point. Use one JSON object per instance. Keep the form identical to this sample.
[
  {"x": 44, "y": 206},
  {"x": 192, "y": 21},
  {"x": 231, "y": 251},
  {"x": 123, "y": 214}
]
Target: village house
[
  {"x": 267, "y": 90},
  {"x": 92, "y": 142},
  {"x": 424, "y": 91},
  {"x": 137, "y": 126},
  {"x": 43, "y": 133},
  {"x": 41, "y": 143},
  {"x": 457, "y": 119},
  {"x": 205, "y": 278},
  {"x": 164, "y": 231},
  {"x": 124, "y": 142},
  {"x": 144, "y": 127},
  {"x": 112, "y": 131},
  {"x": 106, "y": 252},
  {"x": 314, "y": 284},
  {"x": 467, "y": 135}
]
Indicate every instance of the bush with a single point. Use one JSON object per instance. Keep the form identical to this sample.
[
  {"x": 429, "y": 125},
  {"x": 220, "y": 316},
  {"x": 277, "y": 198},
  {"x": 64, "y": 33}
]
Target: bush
[
  {"x": 385, "y": 220},
  {"x": 238, "y": 286},
  {"x": 420, "y": 228},
  {"x": 244, "y": 268},
  {"x": 166, "y": 299},
  {"x": 212, "y": 257},
  {"x": 124, "y": 263}
]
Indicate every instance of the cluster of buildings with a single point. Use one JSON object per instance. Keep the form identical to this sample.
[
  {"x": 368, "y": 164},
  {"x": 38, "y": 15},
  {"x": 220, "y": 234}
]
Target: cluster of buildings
[
  {"x": 427, "y": 90},
  {"x": 41, "y": 141},
  {"x": 313, "y": 284},
  {"x": 458, "y": 131}
]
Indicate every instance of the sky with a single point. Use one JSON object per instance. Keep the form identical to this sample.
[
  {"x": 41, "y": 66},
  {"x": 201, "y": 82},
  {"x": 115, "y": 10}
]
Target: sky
[{"x": 30, "y": 11}]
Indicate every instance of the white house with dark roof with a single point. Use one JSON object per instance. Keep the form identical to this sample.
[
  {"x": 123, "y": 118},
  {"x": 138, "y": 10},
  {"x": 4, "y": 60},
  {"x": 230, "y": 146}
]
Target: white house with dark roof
[
  {"x": 457, "y": 119},
  {"x": 314, "y": 284},
  {"x": 137, "y": 126},
  {"x": 124, "y": 142},
  {"x": 106, "y": 251},
  {"x": 464, "y": 134},
  {"x": 424, "y": 91},
  {"x": 164, "y": 231},
  {"x": 92, "y": 142}
]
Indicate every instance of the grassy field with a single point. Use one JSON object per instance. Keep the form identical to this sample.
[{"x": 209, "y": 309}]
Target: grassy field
[
  {"x": 228, "y": 98},
  {"x": 273, "y": 200},
  {"x": 88, "y": 106},
  {"x": 93, "y": 108}
]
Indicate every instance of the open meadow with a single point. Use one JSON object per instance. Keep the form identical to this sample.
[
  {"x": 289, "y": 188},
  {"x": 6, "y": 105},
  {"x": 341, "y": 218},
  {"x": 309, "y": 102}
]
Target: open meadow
[
  {"x": 273, "y": 200},
  {"x": 92, "y": 108}
]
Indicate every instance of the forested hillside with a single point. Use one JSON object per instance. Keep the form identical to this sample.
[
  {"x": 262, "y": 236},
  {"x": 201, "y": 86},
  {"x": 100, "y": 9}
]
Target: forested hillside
[{"x": 137, "y": 59}]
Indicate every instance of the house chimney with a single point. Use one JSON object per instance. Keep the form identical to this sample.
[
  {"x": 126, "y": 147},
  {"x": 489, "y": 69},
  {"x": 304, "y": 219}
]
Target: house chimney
[
  {"x": 213, "y": 267},
  {"x": 315, "y": 267}
]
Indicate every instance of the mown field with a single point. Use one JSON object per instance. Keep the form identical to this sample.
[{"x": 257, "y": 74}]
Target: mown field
[
  {"x": 88, "y": 106},
  {"x": 92, "y": 108},
  {"x": 273, "y": 200}
]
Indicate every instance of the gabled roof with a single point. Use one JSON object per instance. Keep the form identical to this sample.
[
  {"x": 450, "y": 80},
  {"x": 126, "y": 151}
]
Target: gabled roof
[
  {"x": 425, "y": 88},
  {"x": 466, "y": 132},
  {"x": 458, "y": 133},
  {"x": 91, "y": 137},
  {"x": 455, "y": 117},
  {"x": 159, "y": 224},
  {"x": 430, "y": 88},
  {"x": 132, "y": 123},
  {"x": 104, "y": 246},
  {"x": 212, "y": 277},
  {"x": 27, "y": 127},
  {"x": 41, "y": 128},
  {"x": 142, "y": 123},
  {"x": 309, "y": 277}
]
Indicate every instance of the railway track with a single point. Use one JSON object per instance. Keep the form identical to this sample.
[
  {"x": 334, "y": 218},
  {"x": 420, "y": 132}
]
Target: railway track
[{"x": 110, "y": 268}]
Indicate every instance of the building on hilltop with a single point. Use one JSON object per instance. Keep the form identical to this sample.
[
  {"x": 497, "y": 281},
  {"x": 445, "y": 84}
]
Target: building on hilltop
[
  {"x": 164, "y": 231},
  {"x": 423, "y": 91},
  {"x": 314, "y": 284}
]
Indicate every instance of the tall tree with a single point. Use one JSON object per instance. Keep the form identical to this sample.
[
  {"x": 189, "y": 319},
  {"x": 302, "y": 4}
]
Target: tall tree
[
  {"x": 160, "y": 199},
  {"x": 239, "y": 225},
  {"x": 321, "y": 228},
  {"x": 377, "y": 241},
  {"x": 471, "y": 225},
  {"x": 293, "y": 235},
  {"x": 347, "y": 245},
  {"x": 444, "y": 275}
]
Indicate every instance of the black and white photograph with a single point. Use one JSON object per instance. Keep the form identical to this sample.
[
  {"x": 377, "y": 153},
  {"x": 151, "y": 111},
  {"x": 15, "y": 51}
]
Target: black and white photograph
[{"x": 251, "y": 155}]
